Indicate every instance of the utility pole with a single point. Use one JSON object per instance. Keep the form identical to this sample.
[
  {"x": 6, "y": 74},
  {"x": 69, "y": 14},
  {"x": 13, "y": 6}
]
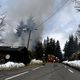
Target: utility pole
[
  {"x": 29, "y": 39},
  {"x": 30, "y": 31},
  {"x": 31, "y": 27}
]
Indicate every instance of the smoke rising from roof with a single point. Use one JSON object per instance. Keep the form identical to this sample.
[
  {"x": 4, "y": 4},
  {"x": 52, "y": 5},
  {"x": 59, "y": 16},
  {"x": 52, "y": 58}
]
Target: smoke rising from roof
[
  {"x": 19, "y": 9},
  {"x": 22, "y": 9}
]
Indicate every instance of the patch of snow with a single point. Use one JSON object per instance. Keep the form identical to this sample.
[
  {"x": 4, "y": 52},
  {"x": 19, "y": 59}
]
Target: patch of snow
[
  {"x": 75, "y": 63},
  {"x": 34, "y": 61},
  {"x": 10, "y": 65}
]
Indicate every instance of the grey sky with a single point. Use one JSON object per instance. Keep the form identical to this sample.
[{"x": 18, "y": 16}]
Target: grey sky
[{"x": 64, "y": 22}]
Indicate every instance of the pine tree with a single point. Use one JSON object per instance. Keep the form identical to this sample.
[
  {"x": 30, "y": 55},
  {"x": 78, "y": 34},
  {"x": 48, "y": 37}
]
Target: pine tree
[
  {"x": 31, "y": 25},
  {"x": 54, "y": 47},
  {"x": 47, "y": 47},
  {"x": 38, "y": 50},
  {"x": 76, "y": 44},
  {"x": 50, "y": 46},
  {"x": 78, "y": 35},
  {"x": 58, "y": 51},
  {"x": 78, "y": 32},
  {"x": 21, "y": 30},
  {"x": 66, "y": 55},
  {"x": 71, "y": 46}
]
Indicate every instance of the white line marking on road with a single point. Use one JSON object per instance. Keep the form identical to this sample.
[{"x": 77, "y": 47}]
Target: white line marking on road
[
  {"x": 17, "y": 75},
  {"x": 42, "y": 66},
  {"x": 71, "y": 71},
  {"x": 36, "y": 68},
  {"x": 65, "y": 66}
]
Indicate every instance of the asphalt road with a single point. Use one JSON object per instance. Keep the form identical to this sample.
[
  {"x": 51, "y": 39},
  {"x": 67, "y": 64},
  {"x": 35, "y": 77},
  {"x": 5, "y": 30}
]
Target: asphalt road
[{"x": 50, "y": 71}]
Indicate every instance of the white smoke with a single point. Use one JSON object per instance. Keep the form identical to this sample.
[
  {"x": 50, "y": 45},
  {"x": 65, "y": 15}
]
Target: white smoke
[
  {"x": 22, "y": 9},
  {"x": 19, "y": 9}
]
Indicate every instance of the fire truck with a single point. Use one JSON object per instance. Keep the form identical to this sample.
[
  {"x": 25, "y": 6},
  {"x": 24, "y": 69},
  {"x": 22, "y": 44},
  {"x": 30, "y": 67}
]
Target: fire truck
[{"x": 52, "y": 58}]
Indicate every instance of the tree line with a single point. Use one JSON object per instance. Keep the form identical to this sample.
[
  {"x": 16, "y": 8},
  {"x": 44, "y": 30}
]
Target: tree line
[
  {"x": 72, "y": 45},
  {"x": 49, "y": 46}
]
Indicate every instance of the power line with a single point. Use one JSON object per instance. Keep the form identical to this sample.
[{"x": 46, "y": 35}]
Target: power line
[
  {"x": 57, "y": 10},
  {"x": 45, "y": 21},
  {"x": 53, "y": 14}
]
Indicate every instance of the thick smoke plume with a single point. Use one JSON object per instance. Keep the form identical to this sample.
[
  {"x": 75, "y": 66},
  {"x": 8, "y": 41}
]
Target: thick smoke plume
[{"x": 21, "y": 10}]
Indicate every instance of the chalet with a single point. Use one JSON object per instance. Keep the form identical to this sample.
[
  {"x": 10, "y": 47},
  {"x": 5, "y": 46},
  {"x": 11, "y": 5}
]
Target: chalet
[{"x": 19, "y": 54}]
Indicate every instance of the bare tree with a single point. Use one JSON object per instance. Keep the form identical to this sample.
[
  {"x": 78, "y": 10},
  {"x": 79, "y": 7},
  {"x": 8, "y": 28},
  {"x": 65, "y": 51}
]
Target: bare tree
[{"x": 2, "y": 24}]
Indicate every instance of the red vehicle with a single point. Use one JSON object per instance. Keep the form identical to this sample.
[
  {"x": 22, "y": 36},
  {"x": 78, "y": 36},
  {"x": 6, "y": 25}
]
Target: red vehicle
[{"x": 52, "y": 58}]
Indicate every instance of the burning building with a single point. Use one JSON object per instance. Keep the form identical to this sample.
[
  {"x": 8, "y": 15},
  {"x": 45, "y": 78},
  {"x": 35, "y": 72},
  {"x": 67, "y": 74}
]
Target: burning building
[{"x": 19, "y": 54}]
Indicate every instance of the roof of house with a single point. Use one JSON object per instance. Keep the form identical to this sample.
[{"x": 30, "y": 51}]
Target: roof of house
[{"x": 7, "y": 48}]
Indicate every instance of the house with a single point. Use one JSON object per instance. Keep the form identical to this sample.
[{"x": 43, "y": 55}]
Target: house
[{"x": 19, "y": 54}]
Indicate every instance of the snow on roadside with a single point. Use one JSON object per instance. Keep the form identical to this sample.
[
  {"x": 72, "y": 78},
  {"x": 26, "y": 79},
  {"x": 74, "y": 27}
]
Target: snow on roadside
[
  {"x": 75, "y": 63},
  {"x": 10, "y": 65},
  {"x": 34, "y": 61}
]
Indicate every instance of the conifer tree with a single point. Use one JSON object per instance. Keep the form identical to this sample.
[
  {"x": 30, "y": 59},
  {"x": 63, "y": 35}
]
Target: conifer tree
[
  {"x": 58, "y": 51},
  {"x": 78, "y": 32},
  {"x": 38, "y": 50},
  {"x": 71, "y": 47}
]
